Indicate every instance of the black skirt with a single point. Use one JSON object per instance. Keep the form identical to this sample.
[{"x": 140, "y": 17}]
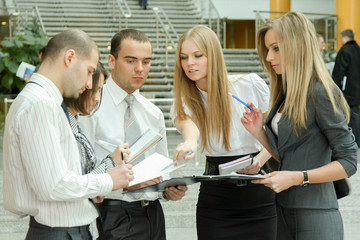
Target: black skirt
[{"x": 226, "y": 210}]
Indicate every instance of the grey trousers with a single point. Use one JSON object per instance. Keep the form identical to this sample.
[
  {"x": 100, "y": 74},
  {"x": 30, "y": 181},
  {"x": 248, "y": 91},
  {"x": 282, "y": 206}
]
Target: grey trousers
[
  {"x": 39, "y": 231},
  {"x": 305, "y": 224}
]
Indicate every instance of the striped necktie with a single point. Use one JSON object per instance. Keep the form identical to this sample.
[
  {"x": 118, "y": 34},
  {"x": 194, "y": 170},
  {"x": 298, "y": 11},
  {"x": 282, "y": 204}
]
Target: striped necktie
[{"x": 131, "y": 126}]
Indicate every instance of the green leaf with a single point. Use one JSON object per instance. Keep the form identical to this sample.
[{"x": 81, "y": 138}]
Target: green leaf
[
  {"x": 7, "y": 44},
  {"x": 7, "y": 80},
  {"x": 12, "y": 66},
  {"x": 28, "y": 39},
  {"x": 19, "y": 43},
  {"x": 19, "y": 82},
  {"x": 2, "y": 67}
]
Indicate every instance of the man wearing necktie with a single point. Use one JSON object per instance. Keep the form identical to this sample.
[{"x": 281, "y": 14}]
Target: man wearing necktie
[
  {"x": 125, "y": 115},
  {"x": 42, "y": 169}
]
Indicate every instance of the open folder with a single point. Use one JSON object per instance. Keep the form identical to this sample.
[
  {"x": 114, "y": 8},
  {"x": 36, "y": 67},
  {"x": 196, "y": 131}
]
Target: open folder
[
  {"x": 156, "y": 165},
  {"x": 185, "y": 181},
  {"x": 146, "y": 141}
]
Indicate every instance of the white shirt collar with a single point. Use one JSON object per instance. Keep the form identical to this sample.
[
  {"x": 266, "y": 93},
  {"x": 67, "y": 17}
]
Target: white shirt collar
[
  {"x": 117, "y": 93},
  {"x": 49, "y": 86}
]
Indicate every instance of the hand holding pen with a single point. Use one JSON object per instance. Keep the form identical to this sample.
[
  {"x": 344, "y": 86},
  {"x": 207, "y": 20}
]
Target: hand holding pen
[
  {"x": 186, "y": 150},
  {"x": 253, "y": 121},
  {"x": 241, "y": 101},
  {"x": 121, "y": 153}
]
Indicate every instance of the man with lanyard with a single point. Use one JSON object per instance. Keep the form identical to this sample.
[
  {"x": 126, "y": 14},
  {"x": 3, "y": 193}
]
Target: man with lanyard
[{"x": 42, "y": 170}]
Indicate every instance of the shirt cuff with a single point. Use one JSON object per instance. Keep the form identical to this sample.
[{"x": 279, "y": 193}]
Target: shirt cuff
[{"x": 105, "y": 180}]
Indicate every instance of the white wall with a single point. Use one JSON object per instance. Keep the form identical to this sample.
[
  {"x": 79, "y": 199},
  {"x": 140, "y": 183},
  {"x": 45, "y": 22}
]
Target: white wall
[
  {"x": 244, "y": 9},
  {"x": 241, "y": 9},
  {"x": 313, "y": 6}
]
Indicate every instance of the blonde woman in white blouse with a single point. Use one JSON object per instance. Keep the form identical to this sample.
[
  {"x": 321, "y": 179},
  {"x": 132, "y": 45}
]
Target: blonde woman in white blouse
[{"x": 204, "y": 109}]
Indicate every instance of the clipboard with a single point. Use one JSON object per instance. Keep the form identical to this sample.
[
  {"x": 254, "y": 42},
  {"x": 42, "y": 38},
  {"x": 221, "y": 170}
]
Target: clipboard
[
  {"x": 173, "y": 182},
  {"x": 230, "y": 176},
  {"x": 185, "y": 181}
]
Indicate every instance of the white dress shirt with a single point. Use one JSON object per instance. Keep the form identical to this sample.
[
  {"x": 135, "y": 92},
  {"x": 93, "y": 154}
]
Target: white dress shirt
[
  {"x": 249, "y": 88},
  {"x": 107, "y": 124},
  {"x": 42, "y": 170}
]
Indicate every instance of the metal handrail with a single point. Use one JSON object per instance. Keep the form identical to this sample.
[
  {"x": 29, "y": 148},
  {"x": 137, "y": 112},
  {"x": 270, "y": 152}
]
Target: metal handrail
[
  {"x": 260, "y": 20},
  {"x": 161, "y": 99},
  {"x": 6, "y": 101},
  {"x": 126, "y": 13},
  {"x": 218, "y": 18},
  {"x": 40, "y": 19},
  {"x": 305, "y": 13},
  {"x": 18, "y": 13},
  {"x": 164, "y": 26}
]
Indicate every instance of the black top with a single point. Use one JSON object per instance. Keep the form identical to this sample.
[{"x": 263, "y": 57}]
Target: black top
[{"x": 347, "y": 63}]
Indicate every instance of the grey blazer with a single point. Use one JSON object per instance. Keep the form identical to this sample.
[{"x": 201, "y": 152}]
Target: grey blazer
[{"x": 326, "y": 135}]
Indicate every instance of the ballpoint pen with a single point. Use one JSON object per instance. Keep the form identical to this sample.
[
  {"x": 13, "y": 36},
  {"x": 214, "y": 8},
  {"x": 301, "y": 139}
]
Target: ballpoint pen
[
  {"x": 122, "y": 157},
  {"x": 241, "y": 101},
  {"x": 190, "y": 152}
]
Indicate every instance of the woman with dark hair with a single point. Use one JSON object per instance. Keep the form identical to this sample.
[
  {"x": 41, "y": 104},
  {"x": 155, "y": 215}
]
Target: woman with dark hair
[{"x": 87, "y": 103}]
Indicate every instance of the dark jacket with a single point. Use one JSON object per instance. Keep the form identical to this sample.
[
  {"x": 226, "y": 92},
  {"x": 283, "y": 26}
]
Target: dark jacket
[
  {"x": 326, "y": 134},
  {"x": 347, "y": 63}
]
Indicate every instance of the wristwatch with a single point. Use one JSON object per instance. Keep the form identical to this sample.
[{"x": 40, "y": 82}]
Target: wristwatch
[{"x": 306, "y": 179}]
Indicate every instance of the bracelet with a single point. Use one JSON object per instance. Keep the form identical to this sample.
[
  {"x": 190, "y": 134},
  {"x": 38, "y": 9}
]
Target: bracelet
[{"x": 112, "y": 160}]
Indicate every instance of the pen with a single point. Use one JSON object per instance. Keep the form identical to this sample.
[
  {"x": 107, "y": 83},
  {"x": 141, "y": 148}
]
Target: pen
[
  {"x": 190, "y": 152},
  {"x": 241, "y": 101},
  {"x": 122, "y": 157}
]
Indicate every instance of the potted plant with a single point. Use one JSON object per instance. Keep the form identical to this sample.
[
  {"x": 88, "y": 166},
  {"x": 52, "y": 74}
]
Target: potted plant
[{"x": 24, "y": 47}]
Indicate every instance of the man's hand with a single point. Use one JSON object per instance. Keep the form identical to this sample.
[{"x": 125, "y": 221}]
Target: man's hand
[
  {"x": 175, "y": 193},
  {"x": 99, "y": 199},
  {"x": 121, "y": 176}
]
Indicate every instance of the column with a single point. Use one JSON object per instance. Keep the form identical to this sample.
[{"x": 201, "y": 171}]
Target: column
[
  {"x": 279, "y": 6},
  {"x": 347, "y": 12}
]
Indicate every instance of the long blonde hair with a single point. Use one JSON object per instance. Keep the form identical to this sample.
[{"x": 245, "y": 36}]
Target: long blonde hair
[
  {"x": 301, "y": 65},
  {"x": 215, "y": 117}
]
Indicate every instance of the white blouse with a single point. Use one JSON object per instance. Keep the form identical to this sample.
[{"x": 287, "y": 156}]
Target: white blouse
[
  {"x": 274, "y": 123},
  {"x": 249, "y": 88}
]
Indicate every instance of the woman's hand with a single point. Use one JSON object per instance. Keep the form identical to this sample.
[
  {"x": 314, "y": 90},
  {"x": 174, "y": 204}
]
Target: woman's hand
[
  {"x": 116, "y": 155},
  {"x": 281, "y": 180},
  {"x": 253, "y": 168},
  {"x": 253, "y": 120},
  {"x": 185, "y": 149}
]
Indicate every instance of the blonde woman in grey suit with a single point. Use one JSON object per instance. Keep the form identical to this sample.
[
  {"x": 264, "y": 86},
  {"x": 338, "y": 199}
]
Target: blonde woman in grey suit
[{"x": 306, "y": 126}]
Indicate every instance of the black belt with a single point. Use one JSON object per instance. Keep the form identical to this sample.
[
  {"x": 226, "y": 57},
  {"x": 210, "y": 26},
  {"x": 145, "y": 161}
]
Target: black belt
[{"x": 125, "y": 204}]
